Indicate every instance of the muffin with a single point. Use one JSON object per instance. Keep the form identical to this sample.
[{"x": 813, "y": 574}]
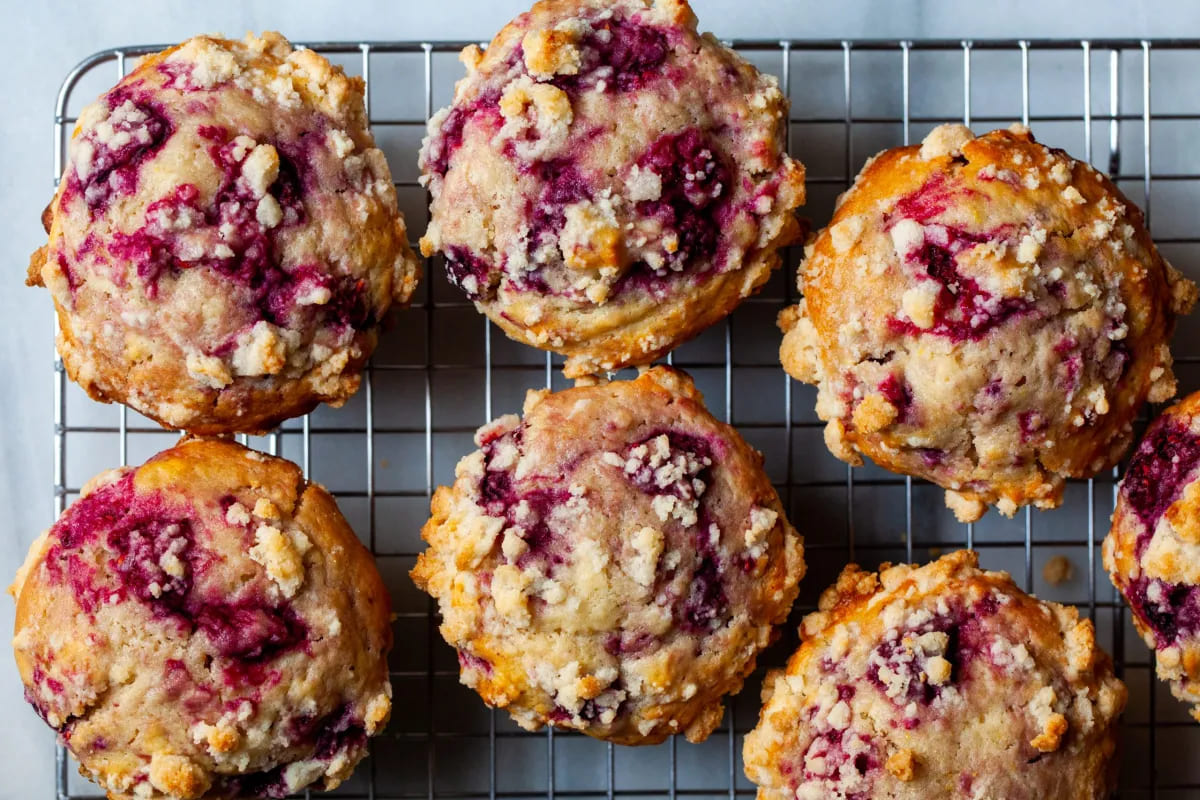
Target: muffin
[
  {"x": 205, "y": 626},
  {"x": 941, "y": 681},
  {"x": 985, "y": 313},
  {"x": 613, "y": 563},
  {"x": 1152, "y": 552},
  {"x": 608, "y": 182},
  {"x": 225, "y": 241}
]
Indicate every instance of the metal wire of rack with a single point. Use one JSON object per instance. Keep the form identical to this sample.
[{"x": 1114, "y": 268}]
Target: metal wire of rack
[{"x": 444, "y": 371}]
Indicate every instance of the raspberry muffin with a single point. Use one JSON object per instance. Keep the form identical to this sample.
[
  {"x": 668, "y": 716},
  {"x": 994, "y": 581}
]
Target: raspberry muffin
[
  {"x": 608, "y": 182},
  {"x": 205, "y": 626},
  {"x": 942, "y": 681},
  {"x": 986, "y": 313},
  {"x": 1152, "y": 552},
  {"x": 225, "y": 242},
  {"x": 613, "y": 563}
]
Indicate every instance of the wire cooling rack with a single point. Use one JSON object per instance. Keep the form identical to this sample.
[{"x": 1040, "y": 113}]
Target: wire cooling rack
[{"x": 443, "y": 370}]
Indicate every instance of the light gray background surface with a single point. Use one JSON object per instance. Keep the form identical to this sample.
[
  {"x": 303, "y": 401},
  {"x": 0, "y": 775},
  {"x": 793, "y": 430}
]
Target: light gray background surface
[{"x": 42, "y": 41}]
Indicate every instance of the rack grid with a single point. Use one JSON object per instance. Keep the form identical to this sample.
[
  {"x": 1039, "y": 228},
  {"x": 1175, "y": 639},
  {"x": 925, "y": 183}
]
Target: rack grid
[{"x": 444, "y": 370}]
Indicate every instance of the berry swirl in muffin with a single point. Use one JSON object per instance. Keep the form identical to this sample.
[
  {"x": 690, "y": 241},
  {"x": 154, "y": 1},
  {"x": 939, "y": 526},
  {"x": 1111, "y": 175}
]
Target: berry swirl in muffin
[
  {"x": 941, "y": 681},
  {"x": 205, "y": 626},
  {"x": 608, "y": 182},
  {"x": 986, "y": 313},
  {"x": 1152, "y": 552},
  {"x": 613, "y": 563},
  {"x": 225, "y": 240}
]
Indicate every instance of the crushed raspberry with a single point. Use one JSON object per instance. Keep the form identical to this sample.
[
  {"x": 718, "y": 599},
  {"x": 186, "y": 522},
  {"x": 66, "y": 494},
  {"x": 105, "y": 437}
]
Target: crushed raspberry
[
  {"x": 695, "y": 188},
  {"x": 678, "y": 464},
  {"x": 496, "y": 491},
  {"x": 621, "y": 53},
  {"x": 470, "y": 273},
  {"x": 1117, "y": 362},
  {"x": 179, "y": 685},
  {"x": 1170, "y": 610},
  {"x": 267, "y": 785},
  {"x": 44, "y": 684},
  {"x": 927, "y": 202},
  {"x": 139, "y": 531},
  {"x": 1031, "y": 424},
  {"x": 1071, "y": 359},
  {"x": 842, "y": 761},
  {"x": 143, "y": 555},
  {"x": 337, "y": 733},
  {"x": 963, "y": 311},
  {"x": 277, "y": 294},
  {"x": 68, "y": 272},
  {"x": 152, "y": 558},
  {"x": 471, "y": 661},
  {"x": 706, "y": 602},
  {"x": 529, "y": 510},
  {"x": 932, "y": 457},
  {"x": 248, "y": 630},
  {"x": 449, "y": 137},
  {"x": 341, "y": 733},
  {"x": 139, "y": 129},
  {"x": 898, "y": 659},
  {"x": 40, "y": 678},
  {"x": 897, "y": 392},
  {"x": 589, "y": 710},
  {"x": 673, "y": 469},
  {"x": 495, "y": 488},
  {"x": 629, "y": 643},
  {"x": 1158, "y": 472},
  {"x": 531, "y": 513},
  {"x": 897, "y": 664},
  {"x": 180, "y": 77},
  {"x": 562, "y": 185}
]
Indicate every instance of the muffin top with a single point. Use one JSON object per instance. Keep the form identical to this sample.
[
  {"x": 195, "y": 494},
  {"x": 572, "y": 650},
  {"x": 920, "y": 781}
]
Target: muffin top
[
  {"x": 1153, "y": 548},
  {"x": 986, "y": 313},
  {"x": 608, "y": 182},
  {"x": 941, "y": 681},
  {"x": 612, "y": 563},
  {"x": 205, "y": 626},
  {"x": 225, "y": 239}
]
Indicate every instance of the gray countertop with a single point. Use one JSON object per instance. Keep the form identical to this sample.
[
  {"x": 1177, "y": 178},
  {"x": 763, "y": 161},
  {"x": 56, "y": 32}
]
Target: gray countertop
[{"x": 42, "y": 41}]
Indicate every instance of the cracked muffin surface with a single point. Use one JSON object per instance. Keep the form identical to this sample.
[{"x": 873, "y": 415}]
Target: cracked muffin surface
[
  {"x": 941, "y": 681},
  {"x": 608, "y": 182},
  {"x": 225, "y": 240},
  {"x": 986, "y": 313},
  {"x": 205, "y": 626},
  {"x": 613, "y": 563},
  {"x": 1152, "y": 552}
]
